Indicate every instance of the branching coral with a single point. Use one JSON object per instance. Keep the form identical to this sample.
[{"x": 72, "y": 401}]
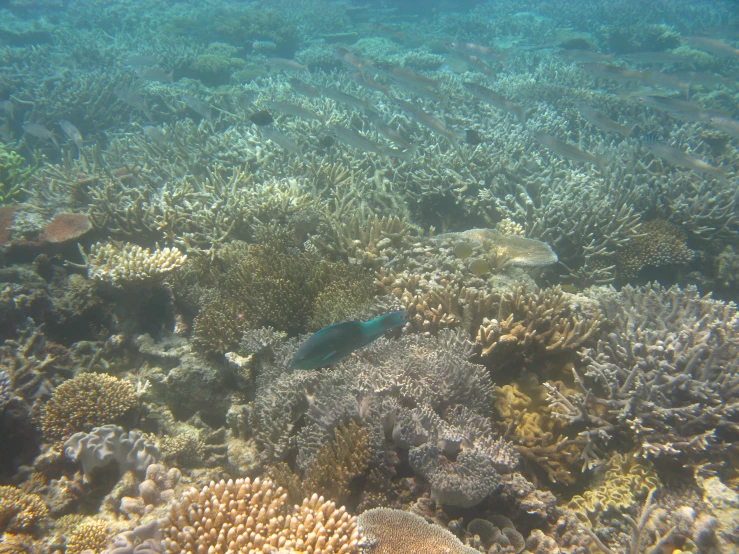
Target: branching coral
[
  {"x": 251, "y": 517},
  {"x": 13, "y": 173},
  {"x": 21, "y": 512},
  {"x": 87, "y": 401},
  {"x": 666, "y": 377},
  {"x": 130, "y": 264},
  {"x": 91, "y": 534}
]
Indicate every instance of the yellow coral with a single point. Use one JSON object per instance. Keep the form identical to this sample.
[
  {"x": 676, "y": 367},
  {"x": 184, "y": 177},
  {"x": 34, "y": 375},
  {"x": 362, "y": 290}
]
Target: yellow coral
[
  {"x": 89, "y": 400},
  {"x": 90, "y": 534},
  {"x": 253, "y": 517},
  {"x": 338, "y": 462},
  {"x": 21, "y": 512},
  {"x": 624, "y": 484},
  {"x": 130, "y": 263}
]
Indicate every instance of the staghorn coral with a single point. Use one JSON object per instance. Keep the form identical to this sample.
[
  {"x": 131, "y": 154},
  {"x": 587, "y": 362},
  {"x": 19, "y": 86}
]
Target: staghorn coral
[
  {"x": 14, "y": 171},
  {"x": 85, "y": 402},
  {"x": 660, "y": 243},
  {"x": 21, "y": 512},
  {"x": 91, "y": 534},
  {"x": 397, "y": 532},
  {"x": 130, "y": 264},
  {"x": 253, "y": 517},
  {"x": 665, "y": 378},
  {"x": 109, "y": 443}
]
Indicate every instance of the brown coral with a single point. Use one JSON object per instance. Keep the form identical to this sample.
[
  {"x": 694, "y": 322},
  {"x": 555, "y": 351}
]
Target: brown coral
[
  {"x": 397, "y": 532},
  {"x": 21, "y": 512},
  {"x": 339, "y": 462},
  {"x": 91, "y": 534},
  {"x": 253, "y": 517},
  {"x": 89, "y": 400},
  {"x": 66, "y": 227},
  {"x": 661, "y": 243}
]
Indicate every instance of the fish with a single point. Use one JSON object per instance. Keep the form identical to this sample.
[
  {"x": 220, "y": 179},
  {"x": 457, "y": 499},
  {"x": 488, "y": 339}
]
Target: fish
[
  {"x": 584, "y": 56},
  {"x": 155, "y": 134},
  {"x": 389, "y": 132},
  {"x": 283, "y": 64},
  {"x": 199, "y": 107},
  {"x": 368, "y": 82},
  {"x": 261, "y": 118},
  {"x": 695, "y": 78},
  {"x": 8, "y": 107},
  {"x": 281, "y": 140},
  {"x": 39, "y": 131},
  {"x": 350, "y": 60},
  {"x": 594, "y": 117},
  {"x": 613, "y": 72},
  {"x": 682, "y": 159},
  {"x": 344, "y": 98},
  {"x": 472, "y": 137},
  {"x": 72, "y": 132},
  {"x": 335, "y": 342},
  {"x": 401, "y": 75},
  {"x": 478, "y": 64},
  {"x": 568, "y": 151},
  {"x": 353, "y": 138},
  {"x": 686, "y": 111},
  {"x": 155, "y": 74},
  {"x": 725, "y": 124},
  {"x": 141, "y": 60},
  {"x": 424, "y": 119},
  {"x": 655, "y": 58},
  {"x": 304, "y": 88},
  {"x": 389, "y": 32},
  {"x": 129, "y": 97},
  {"x": 496, "y": 100},
  {"x": 713, "y": 46},
  {"x": 666, "y": 80},
  {"x": 470, "y": 49},
  {"x": 295, "y": 110}
]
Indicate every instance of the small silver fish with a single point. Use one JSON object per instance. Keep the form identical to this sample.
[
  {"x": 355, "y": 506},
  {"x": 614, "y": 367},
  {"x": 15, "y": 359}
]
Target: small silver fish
[
  {"x": 680, "y": 109},
  {"x": 568, "y": 150},
  {"x": 584, "y": 56},
  {"x": 401, "y": 75},
  {"x": 293, "y": 109},
  {"x": 713, "y": 46},
  {"x": 283, "y": 64},
  {"x": 613, "y": 72},
  {"x": 72, "y": 132},
  {"x": 155, "y": 74},
  {"x": 655, "y": 58},
  {"x": 344, "y": 98},
  {"x": 496, "y": 100},
  {"x": 199, "y": 107},
  {"x": 129, "y": 97},
  {"x": 304, "y": 88},
  {"x": 389, "y": 132},
  {"x": 683, "y": 159},
  {"x": 352, "y": 138},
  {"x": 155, "y": 134},
  {"x": 594, "y": 117},
  {"x": 725, "y": 125},
  {"x": 281, "y": 139},
  {"x": 39, "y": 131},
  {"x": 425, "y": 120}
]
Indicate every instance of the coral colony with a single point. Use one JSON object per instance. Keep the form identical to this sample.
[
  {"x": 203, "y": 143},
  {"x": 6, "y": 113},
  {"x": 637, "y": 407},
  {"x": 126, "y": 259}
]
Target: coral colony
[{"x": 317, "y": 277}]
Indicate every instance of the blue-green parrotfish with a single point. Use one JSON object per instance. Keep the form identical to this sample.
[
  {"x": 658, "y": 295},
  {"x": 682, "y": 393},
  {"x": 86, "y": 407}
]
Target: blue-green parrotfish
[{"x": 335, "y": 342}]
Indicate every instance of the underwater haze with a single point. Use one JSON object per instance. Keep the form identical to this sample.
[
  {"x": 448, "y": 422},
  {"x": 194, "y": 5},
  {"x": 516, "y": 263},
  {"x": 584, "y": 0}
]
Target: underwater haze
[{"x": 369, "y": 277}]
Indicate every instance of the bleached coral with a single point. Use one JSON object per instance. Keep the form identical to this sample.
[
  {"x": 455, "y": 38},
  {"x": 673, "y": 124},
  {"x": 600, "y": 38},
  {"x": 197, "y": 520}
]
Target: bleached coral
[{"x": 130, "y": 264}]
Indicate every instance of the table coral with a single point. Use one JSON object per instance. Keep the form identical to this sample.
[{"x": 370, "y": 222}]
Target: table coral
[
  {"x": 252, "y": 516},
  {"x": 65, "y": 227},
  {"x": 398, "y": 532},
  {"x": 87, "y": 401}
]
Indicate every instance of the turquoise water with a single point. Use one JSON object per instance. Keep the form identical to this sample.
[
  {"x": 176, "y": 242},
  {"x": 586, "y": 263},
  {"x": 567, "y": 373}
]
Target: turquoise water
[{"x": 547, "y": 190}]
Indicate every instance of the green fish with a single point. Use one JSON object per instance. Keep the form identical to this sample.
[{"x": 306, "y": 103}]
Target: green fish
[{"x": 335, "y": 342}]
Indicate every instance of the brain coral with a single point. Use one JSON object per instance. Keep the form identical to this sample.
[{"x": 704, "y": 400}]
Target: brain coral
[
  {"x": 89, "y": 400},
  {"x": 397, "y": 532},
  {"x": 253, "y": 517}
]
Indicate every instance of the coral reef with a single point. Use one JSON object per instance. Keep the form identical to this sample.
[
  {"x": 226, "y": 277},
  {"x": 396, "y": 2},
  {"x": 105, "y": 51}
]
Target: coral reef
[
  {"x": 129, "y": 264},
  {"x": 21, "y": 513},
  {"x": 660, "y": 244},
  {"x": 253, "y": 517},
  {"x": 83, "y": 403}
]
